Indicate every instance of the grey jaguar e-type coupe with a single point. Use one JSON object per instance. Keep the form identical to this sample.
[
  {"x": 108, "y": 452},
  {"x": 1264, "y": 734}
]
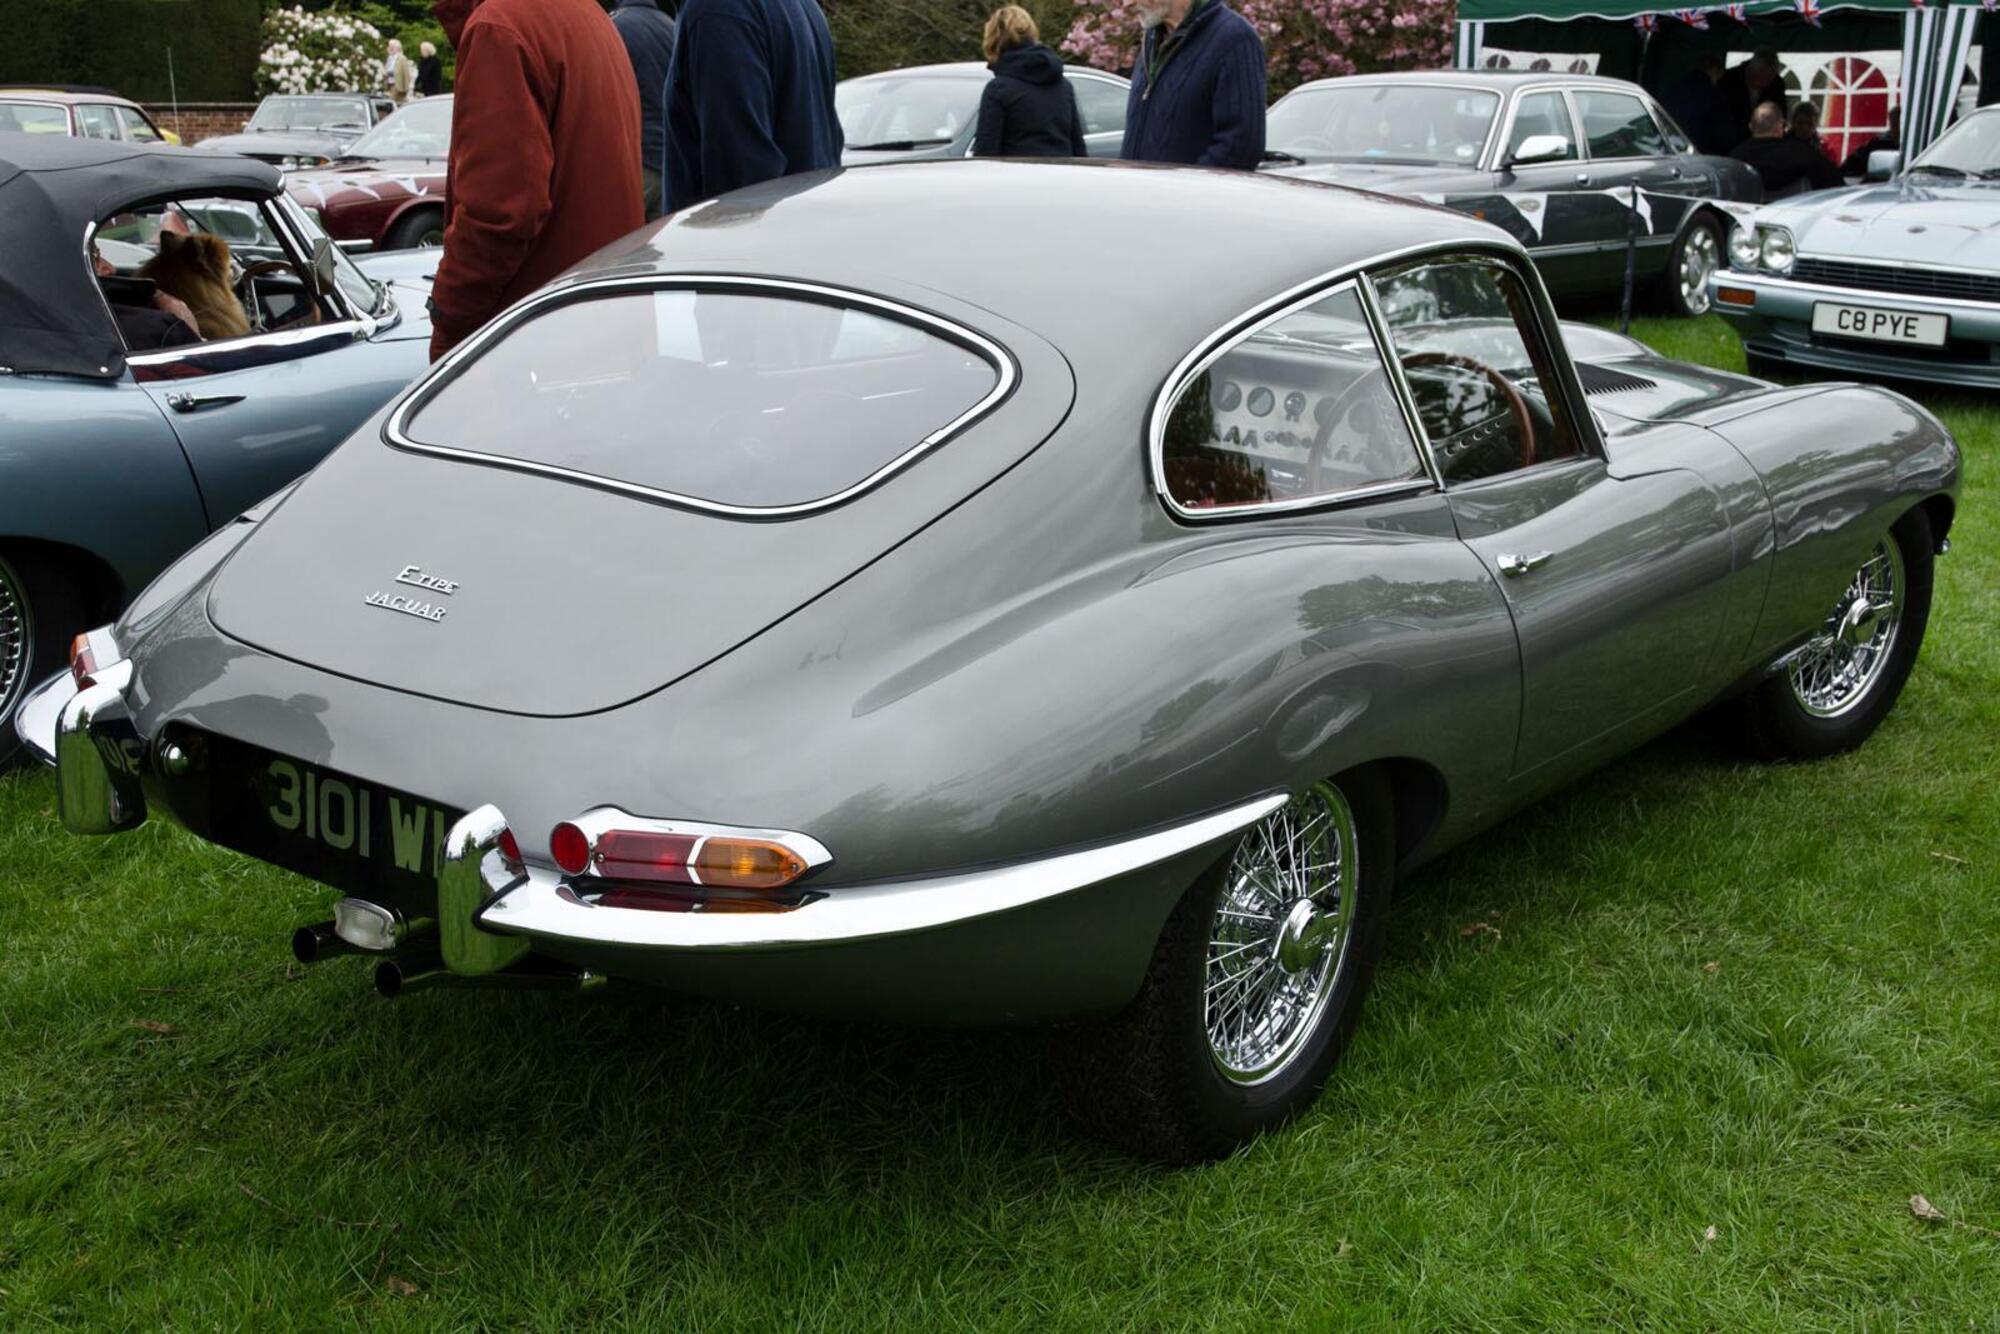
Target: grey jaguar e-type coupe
[{"x": 918, "y": 592}]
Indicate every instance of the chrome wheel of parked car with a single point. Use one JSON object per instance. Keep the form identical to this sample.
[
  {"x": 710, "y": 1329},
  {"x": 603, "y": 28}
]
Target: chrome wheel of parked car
[
  {"x": 1836, "y": 690},
  {"x": 1696, "y": 257},
  {"x": 1280, "y": 934},
  {"x": 16, "y": 642},
  {"x": 1254, "y": 987},
  {"x": 1842, "y": 665}
]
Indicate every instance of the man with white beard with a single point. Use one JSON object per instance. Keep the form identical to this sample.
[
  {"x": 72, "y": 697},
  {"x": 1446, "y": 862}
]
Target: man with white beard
[{"x": 1197, "y": 87}]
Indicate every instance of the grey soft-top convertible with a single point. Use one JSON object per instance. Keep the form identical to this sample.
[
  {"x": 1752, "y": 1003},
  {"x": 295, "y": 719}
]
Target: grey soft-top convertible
[{"x": 919, "y": 592}]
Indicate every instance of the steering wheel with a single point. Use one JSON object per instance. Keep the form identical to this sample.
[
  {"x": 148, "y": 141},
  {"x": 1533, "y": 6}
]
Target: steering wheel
[
  {"x": 246, "y": 292},
  {"x": 1328, "y": 414},
  {"x": 1517, "y": 403}
]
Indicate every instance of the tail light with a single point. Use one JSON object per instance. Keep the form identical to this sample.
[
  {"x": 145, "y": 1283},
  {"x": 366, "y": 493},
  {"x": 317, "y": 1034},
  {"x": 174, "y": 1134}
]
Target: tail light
[
  {"x": 89, "y": 653},
  {"x": 630, "y": 850}
]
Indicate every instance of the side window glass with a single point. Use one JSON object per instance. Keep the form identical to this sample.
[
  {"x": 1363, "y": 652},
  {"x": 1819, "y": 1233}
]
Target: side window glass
[
  {"x": 1482, "y": 376},
  {"x": 98, "y": 121},
  {"x": 1540, "y": 115},
  {"x": 1677, "y": 139},
  {"x": 1618, "y": 125},
  {"x": 1299, "y": 409},
  {"x": 137, "y": 127},
  {"x": 1101, "y": 103}
]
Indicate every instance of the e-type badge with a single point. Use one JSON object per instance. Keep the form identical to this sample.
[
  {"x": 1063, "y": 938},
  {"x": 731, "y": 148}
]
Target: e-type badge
[{"x": 420, "y": 608}]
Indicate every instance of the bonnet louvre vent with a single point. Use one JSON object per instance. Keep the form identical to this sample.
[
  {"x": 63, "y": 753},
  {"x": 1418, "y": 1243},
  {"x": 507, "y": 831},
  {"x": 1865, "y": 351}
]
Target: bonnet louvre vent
[{"x": 1603, "y": 380}]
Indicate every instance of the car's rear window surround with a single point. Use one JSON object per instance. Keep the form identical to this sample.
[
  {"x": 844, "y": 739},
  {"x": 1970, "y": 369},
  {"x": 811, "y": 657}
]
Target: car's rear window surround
[{"x": 395, "y": 430}]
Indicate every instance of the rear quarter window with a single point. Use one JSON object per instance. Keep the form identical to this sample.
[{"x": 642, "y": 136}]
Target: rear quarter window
[{"x": 744, "y": 399}]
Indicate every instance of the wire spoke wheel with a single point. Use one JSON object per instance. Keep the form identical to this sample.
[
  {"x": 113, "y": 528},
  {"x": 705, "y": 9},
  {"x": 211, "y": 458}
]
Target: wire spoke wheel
[
  {"x": 16, "y": 638},
  {"x": 1841, "y": 665},
  {"x": 1279, "y": 935},
  {"x": 1701, "y": 255}
]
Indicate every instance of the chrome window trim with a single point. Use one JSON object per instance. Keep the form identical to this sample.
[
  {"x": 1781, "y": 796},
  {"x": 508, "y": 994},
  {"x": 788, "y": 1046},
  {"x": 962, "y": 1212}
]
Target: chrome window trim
[
  {"x": 1406, "y": 399},
  {"x": 348, "y": 329},
  {"x": 1217, "y": 344},
  {"x": 1637, "y": 95},
  {"x": 1498, "y": 160},
  {"x": 1590, "y": 440},
  {"x": 1007, "y": 375},
  {"x": 286, "y": 341}
]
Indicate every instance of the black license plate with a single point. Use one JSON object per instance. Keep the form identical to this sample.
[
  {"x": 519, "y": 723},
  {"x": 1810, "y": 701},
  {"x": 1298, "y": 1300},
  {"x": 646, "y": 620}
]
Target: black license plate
[{"x": 355, "y": 835}]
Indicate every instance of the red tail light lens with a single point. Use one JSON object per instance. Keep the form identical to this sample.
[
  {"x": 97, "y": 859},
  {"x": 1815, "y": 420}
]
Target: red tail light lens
[
  {"x": 82, "y": 661},
  {"x": 629, "y": 854},
  {"x": 570, "y": 847},
  {"x": 510, "y": 850}
]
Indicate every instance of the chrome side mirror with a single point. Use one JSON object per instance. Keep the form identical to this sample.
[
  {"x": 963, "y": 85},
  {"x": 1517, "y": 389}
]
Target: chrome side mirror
[
  {"x": 1539, "y": 148},
  {"x": 1884, "y": 163}
]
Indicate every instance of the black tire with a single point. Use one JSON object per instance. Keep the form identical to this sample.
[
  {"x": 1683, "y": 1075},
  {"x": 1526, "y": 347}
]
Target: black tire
[
  {"x": 1147, "y": 1079},
  {"x": 1776, "y": 720},
  {"x": 416, "y": 230},
  {"x": 39, "y": 615},
  {"x": 1670, "y": 295}
]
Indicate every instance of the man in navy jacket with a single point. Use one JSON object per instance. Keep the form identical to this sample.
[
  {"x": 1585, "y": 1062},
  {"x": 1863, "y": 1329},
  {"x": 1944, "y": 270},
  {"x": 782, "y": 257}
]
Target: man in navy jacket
[
  {"x": 749, "y": 97},
  {"x": 649, "y": 39},
  {"x": 1197, "y": 88}
]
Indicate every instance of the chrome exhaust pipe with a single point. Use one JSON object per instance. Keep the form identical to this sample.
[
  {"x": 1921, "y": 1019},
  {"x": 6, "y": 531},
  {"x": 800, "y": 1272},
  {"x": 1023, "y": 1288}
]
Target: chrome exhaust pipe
[
  {"x": 425, "y": 971},
  {"x": 310, "y": 944}
]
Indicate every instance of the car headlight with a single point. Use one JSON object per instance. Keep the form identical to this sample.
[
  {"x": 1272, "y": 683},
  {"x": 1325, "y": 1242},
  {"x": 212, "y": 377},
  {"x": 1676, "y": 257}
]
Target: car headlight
[
  {"x": 1743, "y": 247},
  {"x": 1775, "y": 250}
]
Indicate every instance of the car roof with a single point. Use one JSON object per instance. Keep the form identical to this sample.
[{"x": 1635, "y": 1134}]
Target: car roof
[
  {"x": 67, "y": 97},
  {"x": 1090, "y": 255},
  {"x": 966, "y": 69},
  {"x": 1499, "y": 80}
]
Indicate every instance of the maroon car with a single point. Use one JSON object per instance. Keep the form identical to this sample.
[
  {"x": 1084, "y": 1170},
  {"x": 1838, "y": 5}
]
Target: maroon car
[{"x": 388, "y": 188}]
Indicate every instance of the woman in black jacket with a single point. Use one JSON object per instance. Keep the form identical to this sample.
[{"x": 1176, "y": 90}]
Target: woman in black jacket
[{"x": 1028, "y": 108}]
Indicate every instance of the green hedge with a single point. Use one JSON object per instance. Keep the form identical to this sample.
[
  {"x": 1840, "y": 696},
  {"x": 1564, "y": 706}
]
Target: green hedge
[{"x": 123, "y": 45}]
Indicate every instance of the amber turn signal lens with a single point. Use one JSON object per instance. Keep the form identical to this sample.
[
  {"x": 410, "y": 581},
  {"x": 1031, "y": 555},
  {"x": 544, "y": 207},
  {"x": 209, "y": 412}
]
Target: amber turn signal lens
[
  {"x": 1736, "y": 296},
  {"x": 747, "y": 863}
]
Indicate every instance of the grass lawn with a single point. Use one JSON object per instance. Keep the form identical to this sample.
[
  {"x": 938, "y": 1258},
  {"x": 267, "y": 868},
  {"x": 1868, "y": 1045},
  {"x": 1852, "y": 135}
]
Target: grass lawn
[{"x": 1673, "y": 1050}]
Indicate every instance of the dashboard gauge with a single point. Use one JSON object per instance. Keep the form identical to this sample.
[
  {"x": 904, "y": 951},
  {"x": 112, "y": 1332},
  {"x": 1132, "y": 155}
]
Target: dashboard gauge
[
  {"x": 1262, "y": 401},
  {"x": 1295, "y": 406},
  {"x": 1228, "y": 396}
]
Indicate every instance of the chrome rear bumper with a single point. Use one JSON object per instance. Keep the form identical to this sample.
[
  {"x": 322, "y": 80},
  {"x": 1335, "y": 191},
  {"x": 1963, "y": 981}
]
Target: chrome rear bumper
[{"x": 35, "y": 721}]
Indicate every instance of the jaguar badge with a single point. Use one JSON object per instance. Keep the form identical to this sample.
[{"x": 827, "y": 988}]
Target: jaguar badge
[{"x": 422, "y": 608}]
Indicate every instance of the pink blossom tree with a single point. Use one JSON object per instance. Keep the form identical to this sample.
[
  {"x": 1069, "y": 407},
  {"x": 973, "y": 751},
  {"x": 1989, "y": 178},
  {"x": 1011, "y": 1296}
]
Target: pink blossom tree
[{"x": 1303, "y": 39}]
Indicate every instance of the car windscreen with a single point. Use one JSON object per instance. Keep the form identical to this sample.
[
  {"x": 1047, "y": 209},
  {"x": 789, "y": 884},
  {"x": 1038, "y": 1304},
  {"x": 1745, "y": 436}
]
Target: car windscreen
[
  {"x": 421, "y": 129},
  {"x": 310, "y": 113},
  {"x": 903, "y": 113},
  {"x": 734, "y": 399},
  {"x": 1969, "y": 148},
  {"x": 1403, "y": 123}
]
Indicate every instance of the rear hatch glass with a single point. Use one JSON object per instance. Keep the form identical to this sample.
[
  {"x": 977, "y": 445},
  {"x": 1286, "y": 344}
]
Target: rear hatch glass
[
  {"x": 743, "y": 400},
  {"x": 533, "y": 565}
]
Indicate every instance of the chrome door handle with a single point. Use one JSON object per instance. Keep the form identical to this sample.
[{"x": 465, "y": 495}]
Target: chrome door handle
[
  {"x": 1583, "y": 178},
  {"x": 184, "y": 402},
  {"x": 1516, "y": 566}
]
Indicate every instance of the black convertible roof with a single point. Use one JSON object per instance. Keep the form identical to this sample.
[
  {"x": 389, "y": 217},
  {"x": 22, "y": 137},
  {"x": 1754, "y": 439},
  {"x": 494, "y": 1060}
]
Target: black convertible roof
[{"x": 52, "y": 189}]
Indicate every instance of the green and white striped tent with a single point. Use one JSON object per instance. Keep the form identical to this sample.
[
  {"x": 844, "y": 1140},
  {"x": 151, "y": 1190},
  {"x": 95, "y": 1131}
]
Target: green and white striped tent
[{"x": 1937, "y": 36}]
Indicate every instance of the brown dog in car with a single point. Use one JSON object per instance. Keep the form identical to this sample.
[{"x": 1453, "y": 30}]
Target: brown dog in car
[{"x": 195, "y": 268}]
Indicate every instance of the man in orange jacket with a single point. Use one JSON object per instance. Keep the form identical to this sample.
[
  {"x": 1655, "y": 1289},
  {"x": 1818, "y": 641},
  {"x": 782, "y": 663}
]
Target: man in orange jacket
[{"x": 544, "y": 153}]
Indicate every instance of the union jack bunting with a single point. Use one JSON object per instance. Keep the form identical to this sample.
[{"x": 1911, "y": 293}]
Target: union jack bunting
[
  {"x": 1809, "y": 11},
  {"x": 1698, "y": 20},
  {"x": 1990, "y": 6},
  {"x": 1742, "y": 15},
  {"x": 1646, "y": 23}
]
